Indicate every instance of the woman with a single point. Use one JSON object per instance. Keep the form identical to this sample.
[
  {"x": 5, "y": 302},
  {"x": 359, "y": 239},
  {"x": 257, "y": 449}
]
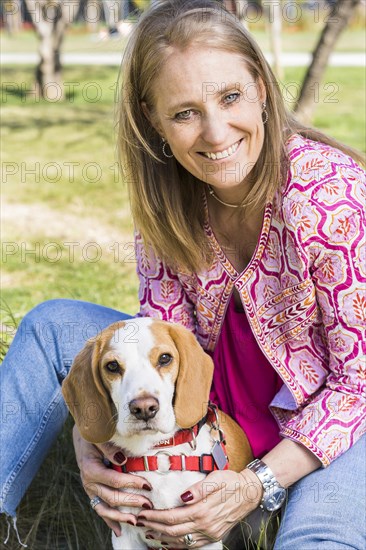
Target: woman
[{"x": 249, "y": 231}]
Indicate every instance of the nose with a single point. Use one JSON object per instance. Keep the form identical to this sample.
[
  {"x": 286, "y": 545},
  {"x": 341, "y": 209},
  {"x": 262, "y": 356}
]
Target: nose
[
  {"x": 144, "y": 408},
  {"x": 214, "y": 128}
]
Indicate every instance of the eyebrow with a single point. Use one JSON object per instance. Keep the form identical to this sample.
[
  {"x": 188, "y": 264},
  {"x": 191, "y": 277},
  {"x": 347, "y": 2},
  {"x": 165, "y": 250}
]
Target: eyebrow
[
  {"x": 208, "y": 89},
  {"x": 181, "y": 106}
]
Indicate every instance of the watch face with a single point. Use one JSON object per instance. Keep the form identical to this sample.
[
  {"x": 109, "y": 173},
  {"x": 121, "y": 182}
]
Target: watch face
[{"x": 274, "y": 499}]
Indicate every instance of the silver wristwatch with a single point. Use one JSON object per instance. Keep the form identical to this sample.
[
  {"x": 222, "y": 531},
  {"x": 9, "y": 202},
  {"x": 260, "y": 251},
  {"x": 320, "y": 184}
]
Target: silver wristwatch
[{"x": 274, "y": 495}]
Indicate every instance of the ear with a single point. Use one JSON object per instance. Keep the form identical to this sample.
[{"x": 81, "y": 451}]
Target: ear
[
  {"x": 261, "y": 90},
  {"x": 87, "y": 398},
  {"x": 192, "y": 387}
]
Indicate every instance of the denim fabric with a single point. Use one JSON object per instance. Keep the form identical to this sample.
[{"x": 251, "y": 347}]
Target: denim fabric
[
  {"x": 33, "y": 409},
  {"x": 325, "y": 510}
]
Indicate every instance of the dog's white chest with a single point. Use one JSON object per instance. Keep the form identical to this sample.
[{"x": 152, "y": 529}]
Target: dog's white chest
[{"x": 167, "y": 486}]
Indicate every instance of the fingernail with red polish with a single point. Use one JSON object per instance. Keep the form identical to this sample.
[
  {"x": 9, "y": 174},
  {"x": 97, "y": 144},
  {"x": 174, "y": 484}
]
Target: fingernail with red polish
[
  {"x": 119, "y": 457},
  {"x": 130, "y": 522},
  {"x": 139, "y": 524},
  {"x": 149, "y": 537},
  {"x": 187, "y": 496},
  {"x": 147, "y": 506},
  {"x": 146, "y": 487},
  {"x": 142, "y": 517}
]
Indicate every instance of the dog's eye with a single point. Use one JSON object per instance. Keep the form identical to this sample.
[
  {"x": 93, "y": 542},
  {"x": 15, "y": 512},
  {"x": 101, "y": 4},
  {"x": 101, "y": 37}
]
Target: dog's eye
[
  {"x": 165, "y": 359},
  {"x": 112, "y": 366}
]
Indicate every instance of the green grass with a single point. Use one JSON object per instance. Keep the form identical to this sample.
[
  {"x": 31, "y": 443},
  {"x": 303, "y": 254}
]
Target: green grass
[
  {"x": 47, "y": 138},
  {"x": 55, "y": 512},
  {"x": 296, "y": 40},
  {"x": 76, "y": 41},
  {"x": 40, "y": 274},
  {"x": 340, "y": 102}
]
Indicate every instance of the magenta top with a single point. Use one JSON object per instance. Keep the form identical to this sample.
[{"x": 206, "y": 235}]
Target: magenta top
[{"x": 244, "y": 382}]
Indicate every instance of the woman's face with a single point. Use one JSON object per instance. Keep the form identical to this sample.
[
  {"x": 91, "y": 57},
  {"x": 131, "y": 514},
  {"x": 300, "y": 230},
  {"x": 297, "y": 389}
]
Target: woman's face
[{"x": 209, "y": 109}]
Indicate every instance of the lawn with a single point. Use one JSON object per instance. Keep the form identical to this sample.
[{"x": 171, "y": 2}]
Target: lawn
[
  {"x": 61, "y": 185},
  {"x": 67, "y": 230}
]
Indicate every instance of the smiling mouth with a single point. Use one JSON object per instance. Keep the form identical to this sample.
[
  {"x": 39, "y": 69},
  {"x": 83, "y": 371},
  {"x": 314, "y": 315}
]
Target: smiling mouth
[{"x": 217, "y": 155}]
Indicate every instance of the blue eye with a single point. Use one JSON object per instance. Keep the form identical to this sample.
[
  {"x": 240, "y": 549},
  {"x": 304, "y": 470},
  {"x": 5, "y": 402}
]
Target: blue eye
[
  {"x": 231, "y": 98},
  {"x": 183, "y": 115}
]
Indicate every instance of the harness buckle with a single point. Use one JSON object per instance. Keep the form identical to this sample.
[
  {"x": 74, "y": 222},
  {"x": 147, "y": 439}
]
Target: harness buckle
[
  {"x": 213, "y": 408},
  {"x": 183, "y": 459},
  {"x": 193, "y": 443},
  {"x": 205, "y": 470},
  {"x": 146, "y": 464},
  {"x": 168, "y": 454}
]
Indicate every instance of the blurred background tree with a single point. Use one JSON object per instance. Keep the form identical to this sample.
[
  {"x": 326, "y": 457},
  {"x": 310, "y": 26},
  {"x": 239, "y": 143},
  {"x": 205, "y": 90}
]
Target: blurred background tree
[
  {"x": 12, "y": 15},
  {"x": 339, "y": 17},
  {"x": 50, "y": 19}
]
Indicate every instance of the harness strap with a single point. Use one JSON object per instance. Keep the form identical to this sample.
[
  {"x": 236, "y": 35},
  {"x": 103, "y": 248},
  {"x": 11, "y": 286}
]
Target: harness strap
[{"x": 204, "y": 463}]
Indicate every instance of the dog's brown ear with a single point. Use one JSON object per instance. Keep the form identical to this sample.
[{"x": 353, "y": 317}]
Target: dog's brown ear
[
  {"x": 192, "y": 387},
  {"x": 87, "y": 398}
]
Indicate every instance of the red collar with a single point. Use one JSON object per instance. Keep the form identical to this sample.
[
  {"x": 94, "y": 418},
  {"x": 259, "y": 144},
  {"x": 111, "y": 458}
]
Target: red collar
[
  {"x": 205, "y": 463},
  {"x": 183, "y": 436},
  {"x": 188, "y": 435}
]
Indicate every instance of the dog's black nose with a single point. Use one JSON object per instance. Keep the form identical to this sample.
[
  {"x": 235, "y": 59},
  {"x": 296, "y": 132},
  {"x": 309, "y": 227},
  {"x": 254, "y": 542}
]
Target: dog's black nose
[{"x": 144, "y": 408}]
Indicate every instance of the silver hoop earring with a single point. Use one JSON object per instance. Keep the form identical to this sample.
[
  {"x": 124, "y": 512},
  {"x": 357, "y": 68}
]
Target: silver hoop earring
[
  {"x": 165, "y": 143},
  {"x": 264, "y": 112}
]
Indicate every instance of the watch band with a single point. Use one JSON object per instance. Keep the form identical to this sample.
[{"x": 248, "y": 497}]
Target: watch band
[
  {"x": 269, "y": 483},
  {"x": 263, "y": 472}
]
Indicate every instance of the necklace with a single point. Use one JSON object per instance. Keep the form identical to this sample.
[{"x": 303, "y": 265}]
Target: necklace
[{"x": 213, "y": 194}]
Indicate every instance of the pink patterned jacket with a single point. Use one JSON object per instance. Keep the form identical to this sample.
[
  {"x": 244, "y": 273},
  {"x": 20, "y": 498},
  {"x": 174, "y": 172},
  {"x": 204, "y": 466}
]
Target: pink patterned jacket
[{"x": 303, "y": 293}]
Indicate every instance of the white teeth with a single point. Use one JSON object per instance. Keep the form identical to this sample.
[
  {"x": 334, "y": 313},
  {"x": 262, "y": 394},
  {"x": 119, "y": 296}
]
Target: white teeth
[{"x": 223, "y": 154}]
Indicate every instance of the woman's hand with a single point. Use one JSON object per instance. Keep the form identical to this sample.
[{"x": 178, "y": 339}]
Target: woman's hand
[
  {"x": 99, "y": 480},
  {"x": 212, "y": 507}
]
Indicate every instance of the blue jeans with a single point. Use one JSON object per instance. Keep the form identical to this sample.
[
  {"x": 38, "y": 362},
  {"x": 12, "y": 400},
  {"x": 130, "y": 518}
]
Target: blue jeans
[{"x": 326, "y": 510}]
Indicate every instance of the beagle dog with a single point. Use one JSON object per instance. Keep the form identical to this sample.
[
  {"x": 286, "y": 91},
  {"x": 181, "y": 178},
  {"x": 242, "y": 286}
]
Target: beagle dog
[{"x": 144, "y": 385}]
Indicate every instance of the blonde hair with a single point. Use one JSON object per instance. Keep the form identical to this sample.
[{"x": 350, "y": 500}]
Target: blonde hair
[{"x": 165, "y": 198}]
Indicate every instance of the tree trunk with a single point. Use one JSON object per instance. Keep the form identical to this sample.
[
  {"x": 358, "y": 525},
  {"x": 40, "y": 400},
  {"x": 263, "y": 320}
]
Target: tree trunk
[
  {"x": 51, "y": 18},
  {"x": 338, "y": 19},
  {"x": 275, "y": 29},
  {"x": 12, "y": 14},
  {"x": 111, "y": 14},
  {"x": 92, "y": 15}
]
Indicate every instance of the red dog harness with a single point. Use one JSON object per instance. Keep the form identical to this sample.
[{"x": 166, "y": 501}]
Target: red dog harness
[{"x": 216, "y": 460}]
